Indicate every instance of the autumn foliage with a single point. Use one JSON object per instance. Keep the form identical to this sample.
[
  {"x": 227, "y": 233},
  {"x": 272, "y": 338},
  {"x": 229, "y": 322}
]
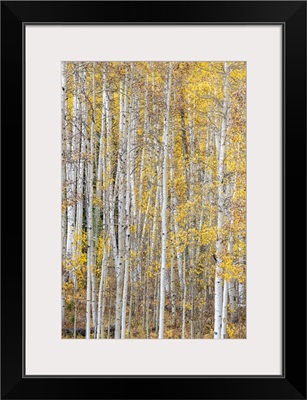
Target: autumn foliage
[{"x": 116, "y": 117}]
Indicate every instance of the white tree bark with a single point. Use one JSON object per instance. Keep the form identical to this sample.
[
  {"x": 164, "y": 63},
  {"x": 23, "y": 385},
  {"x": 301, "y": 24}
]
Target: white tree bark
[
  {"x": 241, "y": 292},
  {"x": 94, "y": 238},
  {"x": 232, "y": 288},
  {"x": 71, "y": 179},
  {"x": 90, "y": 238},
  {"x": 102, "y": 192},
  {"x": 101, "y": 296},
  {"x": 191, "y": 218},
  {"x": 173, "y": 288},
  {"x": 184, "y": 300},
  {"x": 131, "y": 304},
  {"x": 164, "y": 203},
  {"x": 89, "y": 266},
  {"x": 80, "y": 180},
  {"x": 121, "y": 208},
  {"x": 127, "y": 207},
  {"x": 233, "y": 301},
  {"x": 218, "y": 294},
  {"x": 64, "y": 217},
  {"x": 224, "y": 311},
  {"x": 109, "y": 187}
]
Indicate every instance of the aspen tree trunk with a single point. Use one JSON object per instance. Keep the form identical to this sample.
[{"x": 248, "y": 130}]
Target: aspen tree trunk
[
  {"x": 183, "y": 300},
  {"x": 121, "y": 210},
  {"x": 63, "y": 309},
  {"x": 111, "y": 200},
  {"x": 106, "y": 231},
  {"x": 178, "y": 251},
  {"x": 173, "y": 206},
  {"x": 109, "y": 317},
  {"x": 229, "y": 289},
  {"x": 157, "y": 293},
  {"x": 99, "y": 304},
  {"x": 232, "y": 289},
  {"x": 142, "y": 227},
  {"x": 173, "y": 293},
  {"x": 131, "y": 305},
  {"x": 224, "y": 310},
  {"x": 233, "y": 302},
  {"x": 218, "y": 294},
  {"x": 137, "y": 215},
  {"x": 71, "y": 182},
  {"x": 102, "y": 191},
  {"x": 217, "y": 137},
  {"x": 80, "y": 180},
  {"x": 147, "y": 308},
  {"x": 164, "y": 203},
  {"x": 226, "y": 286},
  {"x": 94, "y": 238},
  {"x": 191, "y": 191},
  {"x": 128, "y": 195},
  {"x": 144, "y": 303},
  {"x": 101, "y": 295},
  {"x": 64, "y": 216},
  {"x": 103, "y": 306},
  {"x": 241, "y": 291},
  {"x": 143, "y": 149},
  {"x": 136, "y": 308},
  {"x": 154, "y": 225},
  {"x": 205, "y": 197},
  {"x": 89, "y": 256},
  {"x": 108, "y": 182},
  {"x": 101, "y": 170},
  {"x": 152, "y": 253},
  {"x": 175, "y": 213},
  {"x": 79, "y": 172},
  {"x": 90, "y": 249},
  {"x": 134, "y": 115}
]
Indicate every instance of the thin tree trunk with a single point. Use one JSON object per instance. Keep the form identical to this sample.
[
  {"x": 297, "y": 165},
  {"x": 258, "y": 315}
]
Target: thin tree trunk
[
  {"x": 64, "y": 214},
  {"x": 93, "y": 237},
  {"x": 103, "y": 306},
  {"x": 147, "y": 308},
  {"x": 191, "y": 192},
  {"x": 164, "y": 203},
  {"x": 183, "y": 301},
  {"x": 121, "y": 212},
  {"x": 130, "y": 304},
  {"x": 101, "y": 293},
  {"x": 224, "y": 311},
  {"x": 109, "y": 317},
  {"x": 157, "y": 305},
  {"x": 218, "y": 295},
  {"x": 233, "y": 302},
  {"x": 71, "y": 182},
  {"x": 90, "y": 246},
  {"x": 173, "y": 292},
  {"x": 128, "y": 199}
]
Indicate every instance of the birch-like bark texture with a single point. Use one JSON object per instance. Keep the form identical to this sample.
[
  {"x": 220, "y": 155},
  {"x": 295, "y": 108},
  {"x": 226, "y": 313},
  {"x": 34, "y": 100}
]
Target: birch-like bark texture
[
  {"x": 164, "y": 221},
  {"x": 224, "y": 310},
  {"x": 218, "y": 303},
  {"x": 127, "y": 212},
  {"x": 153, "y": 200}
]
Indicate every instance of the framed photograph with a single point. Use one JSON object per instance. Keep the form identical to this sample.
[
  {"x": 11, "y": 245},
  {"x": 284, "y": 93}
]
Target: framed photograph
[{"x": 163, "y": 151}]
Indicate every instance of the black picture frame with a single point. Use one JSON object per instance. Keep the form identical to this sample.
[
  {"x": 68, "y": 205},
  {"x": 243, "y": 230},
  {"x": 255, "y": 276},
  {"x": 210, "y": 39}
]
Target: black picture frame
[{"x": 292, "y": 16}]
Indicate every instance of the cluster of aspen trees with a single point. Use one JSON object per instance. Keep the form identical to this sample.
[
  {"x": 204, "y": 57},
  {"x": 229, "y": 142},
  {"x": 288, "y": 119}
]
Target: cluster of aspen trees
[{"x": 154, "y": 200}]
